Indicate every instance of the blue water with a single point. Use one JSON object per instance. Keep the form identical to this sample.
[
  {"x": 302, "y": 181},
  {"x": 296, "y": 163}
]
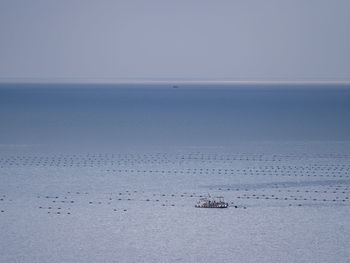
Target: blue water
[{"x": 110, "y": 115}]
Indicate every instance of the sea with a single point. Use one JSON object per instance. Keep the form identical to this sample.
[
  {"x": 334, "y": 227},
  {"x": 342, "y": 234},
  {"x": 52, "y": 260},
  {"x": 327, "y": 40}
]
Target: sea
[
  {"x": 112, "y": 173},
  {"x": 108, "y": 116}
]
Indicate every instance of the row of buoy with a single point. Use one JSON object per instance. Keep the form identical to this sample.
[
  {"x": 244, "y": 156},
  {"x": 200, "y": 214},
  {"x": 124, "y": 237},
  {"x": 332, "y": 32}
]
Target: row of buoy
[
  {"x": 99, "y": 164},
  {"x": 305, "y": 167},
  {"x": 238, "y": 172},
  {"x": 288, "y": 190},
  {"x": 167, "y": 155},
  {"x": 58, "y": 213},
  {"x": 236, "y": 206},
  {"x": 81, "y": 161},
  {"x": 292, "y": 198},
  {"x": 331, "y": 191},
  {"x": 50, "y": 207}
]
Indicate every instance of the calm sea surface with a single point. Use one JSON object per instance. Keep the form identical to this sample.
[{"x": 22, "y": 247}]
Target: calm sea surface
[{"x": 164, "y": 116}]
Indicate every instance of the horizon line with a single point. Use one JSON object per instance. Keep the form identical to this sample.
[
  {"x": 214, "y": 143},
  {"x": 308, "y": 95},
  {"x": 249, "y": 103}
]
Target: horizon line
[{"x": 150, "y": 81}]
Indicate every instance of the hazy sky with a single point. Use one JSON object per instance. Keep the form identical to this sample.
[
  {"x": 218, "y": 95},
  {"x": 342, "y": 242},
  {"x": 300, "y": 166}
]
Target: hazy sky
[{"x": 190, "y": 39}]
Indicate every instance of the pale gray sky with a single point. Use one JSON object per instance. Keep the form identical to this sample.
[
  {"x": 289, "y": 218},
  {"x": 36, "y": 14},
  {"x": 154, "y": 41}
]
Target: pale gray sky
[{"x": 186, "y": 39}]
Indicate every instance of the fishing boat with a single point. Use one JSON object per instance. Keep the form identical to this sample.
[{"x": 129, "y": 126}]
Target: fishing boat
[{"x": 211, "y": 202}]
